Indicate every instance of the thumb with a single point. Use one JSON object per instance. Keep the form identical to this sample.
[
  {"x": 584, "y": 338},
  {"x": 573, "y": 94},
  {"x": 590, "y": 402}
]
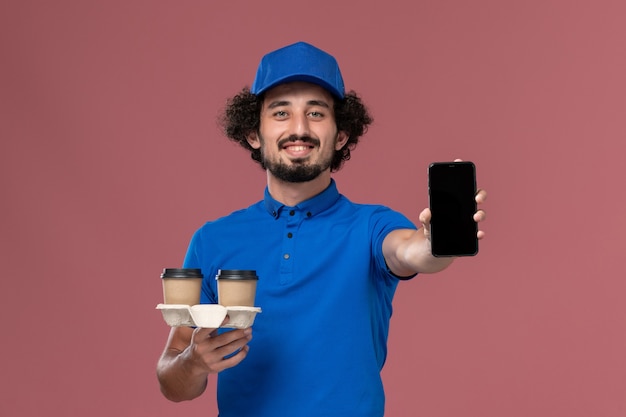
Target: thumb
[{"x": 424, "y": 218}]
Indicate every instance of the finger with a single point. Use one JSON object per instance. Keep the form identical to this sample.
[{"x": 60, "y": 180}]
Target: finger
[
  {"x": 223, "y": 344},
  {"x": 200, "y": 333},
  {"x": 232, "y": 360},
  {"x": 224, "y": 322},
  {"x": 229, "y": 342},
  {"x": 480, "y": 234},
  {"x": 227, "y": 356},
  {"x": 458, "y": 160},
  {"x": 481, "y": 196},
  {"x": 480, "y": 216},
  {"x": 425, "y": 217},
  {"x": 233, "y": 348}
]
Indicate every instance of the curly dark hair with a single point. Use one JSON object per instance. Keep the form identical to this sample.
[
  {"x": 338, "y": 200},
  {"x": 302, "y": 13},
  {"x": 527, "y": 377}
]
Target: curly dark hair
[{"x": 242, "y": 115}]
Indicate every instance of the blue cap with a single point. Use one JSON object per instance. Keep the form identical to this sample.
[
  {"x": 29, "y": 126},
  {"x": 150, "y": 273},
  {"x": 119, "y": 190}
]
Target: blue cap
[{"x": 299, "y": 62}]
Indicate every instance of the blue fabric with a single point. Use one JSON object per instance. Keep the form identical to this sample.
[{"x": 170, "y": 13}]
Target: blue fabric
[
  {"x": 299, "y": 62},
  {"x": 320, "y": 342}
]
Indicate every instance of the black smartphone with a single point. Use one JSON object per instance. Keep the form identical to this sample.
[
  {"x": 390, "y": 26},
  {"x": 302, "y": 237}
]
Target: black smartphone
[{"x": 452, "y": 192}]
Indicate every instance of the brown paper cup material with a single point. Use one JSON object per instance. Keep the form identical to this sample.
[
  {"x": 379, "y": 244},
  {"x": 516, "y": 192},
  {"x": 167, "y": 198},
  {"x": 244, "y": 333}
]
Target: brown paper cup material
[
  {"x": 181, "y": 286},
  {"x": 236, "y": 287}
]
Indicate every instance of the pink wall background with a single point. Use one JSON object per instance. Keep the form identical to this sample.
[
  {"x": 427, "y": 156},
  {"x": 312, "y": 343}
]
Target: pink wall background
[{"x": 110, "y": 158}]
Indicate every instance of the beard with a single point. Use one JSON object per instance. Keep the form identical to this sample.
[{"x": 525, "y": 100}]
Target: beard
[{"x": 298, "y": 171}]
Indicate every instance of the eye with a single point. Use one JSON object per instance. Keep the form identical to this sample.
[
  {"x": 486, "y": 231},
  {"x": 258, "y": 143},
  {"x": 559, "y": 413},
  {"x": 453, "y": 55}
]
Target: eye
[
  {"x": 316, "y": 114},
  {"x": 281, "y": 114}
]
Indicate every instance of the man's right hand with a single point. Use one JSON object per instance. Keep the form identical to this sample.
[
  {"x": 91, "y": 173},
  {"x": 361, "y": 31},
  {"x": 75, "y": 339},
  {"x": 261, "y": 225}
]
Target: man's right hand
[
  {"x": 190, "y": 355},
  {"x": 207, "y": 349}
]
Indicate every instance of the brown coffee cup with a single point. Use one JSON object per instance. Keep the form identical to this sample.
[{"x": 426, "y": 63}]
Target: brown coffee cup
[
  {"x": 236, "y": 287},
  {"x": 181, "y": 285}
]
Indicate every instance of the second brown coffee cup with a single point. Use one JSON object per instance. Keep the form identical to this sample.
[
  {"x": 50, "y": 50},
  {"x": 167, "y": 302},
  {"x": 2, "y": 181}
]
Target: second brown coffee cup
[{"x": 236, "y": 287}]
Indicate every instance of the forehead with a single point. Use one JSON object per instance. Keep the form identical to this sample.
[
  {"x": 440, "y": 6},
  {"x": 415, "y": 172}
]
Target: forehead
[{"x": 298, "y": 92}]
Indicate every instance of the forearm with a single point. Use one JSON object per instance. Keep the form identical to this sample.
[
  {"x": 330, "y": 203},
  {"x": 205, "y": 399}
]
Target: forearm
[
  {"x": 179, "y": 377},
  {"x": 409, "y": 252}
]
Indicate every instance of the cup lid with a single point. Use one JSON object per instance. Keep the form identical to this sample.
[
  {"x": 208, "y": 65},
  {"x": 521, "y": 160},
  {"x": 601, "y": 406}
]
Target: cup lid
[
  {"x": 182, "y": 273},
  {"x": 243, "y": 274}
]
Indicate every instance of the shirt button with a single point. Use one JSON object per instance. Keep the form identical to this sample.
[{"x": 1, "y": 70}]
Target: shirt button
[
  {"x": 286, "y": 256},
  {"x": 289, "y": 235},
  {"x": 292, "y": 212},
  {"x": 308, "y": 214}
]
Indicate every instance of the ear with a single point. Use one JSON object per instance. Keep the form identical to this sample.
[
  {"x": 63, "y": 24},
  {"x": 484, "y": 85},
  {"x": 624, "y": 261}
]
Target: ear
[
  {"x": 342, "y": 139},
  {"x": 253, "y": 140}
]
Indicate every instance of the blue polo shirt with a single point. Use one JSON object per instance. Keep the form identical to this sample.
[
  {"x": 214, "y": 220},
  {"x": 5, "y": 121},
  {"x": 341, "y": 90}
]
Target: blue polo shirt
[{"x": 320, "y": 343}]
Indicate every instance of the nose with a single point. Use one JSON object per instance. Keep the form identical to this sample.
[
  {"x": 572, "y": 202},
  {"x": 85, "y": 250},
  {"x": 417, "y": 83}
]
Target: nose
[{"x": 299, "y": 125}]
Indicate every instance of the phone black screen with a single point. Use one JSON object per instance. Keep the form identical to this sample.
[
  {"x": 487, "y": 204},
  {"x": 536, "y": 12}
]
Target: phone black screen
[{"x": 452, "y": 191}]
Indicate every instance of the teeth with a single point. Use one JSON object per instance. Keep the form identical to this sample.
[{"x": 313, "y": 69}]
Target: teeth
[{"x": 298, "y": 148}]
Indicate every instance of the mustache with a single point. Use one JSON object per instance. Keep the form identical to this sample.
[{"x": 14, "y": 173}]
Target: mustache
[{"x": 296, "y": 138}]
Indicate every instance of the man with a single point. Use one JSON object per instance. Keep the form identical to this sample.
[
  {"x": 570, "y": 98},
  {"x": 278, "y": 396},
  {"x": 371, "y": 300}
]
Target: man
[{"x": 327, "y": 267}]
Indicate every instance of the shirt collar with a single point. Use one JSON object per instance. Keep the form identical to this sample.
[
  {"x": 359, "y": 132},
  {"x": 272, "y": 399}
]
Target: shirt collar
[{"x": 311, "y": 207}]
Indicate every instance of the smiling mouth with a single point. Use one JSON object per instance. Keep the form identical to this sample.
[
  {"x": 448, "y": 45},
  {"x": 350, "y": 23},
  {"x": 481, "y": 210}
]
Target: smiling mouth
[
  {"x": 298, "y": 152},
  {"x": 298, "y": 142},
  {"x": 298, "y": 148}
]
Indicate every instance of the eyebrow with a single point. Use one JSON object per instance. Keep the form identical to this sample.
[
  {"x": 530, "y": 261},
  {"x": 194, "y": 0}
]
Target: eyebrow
[{"x": 280, "y": 103}]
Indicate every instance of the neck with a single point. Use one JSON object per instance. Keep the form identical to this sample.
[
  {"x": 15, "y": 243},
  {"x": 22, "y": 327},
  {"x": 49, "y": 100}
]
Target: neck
[{"x": 293, "y": 193}]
